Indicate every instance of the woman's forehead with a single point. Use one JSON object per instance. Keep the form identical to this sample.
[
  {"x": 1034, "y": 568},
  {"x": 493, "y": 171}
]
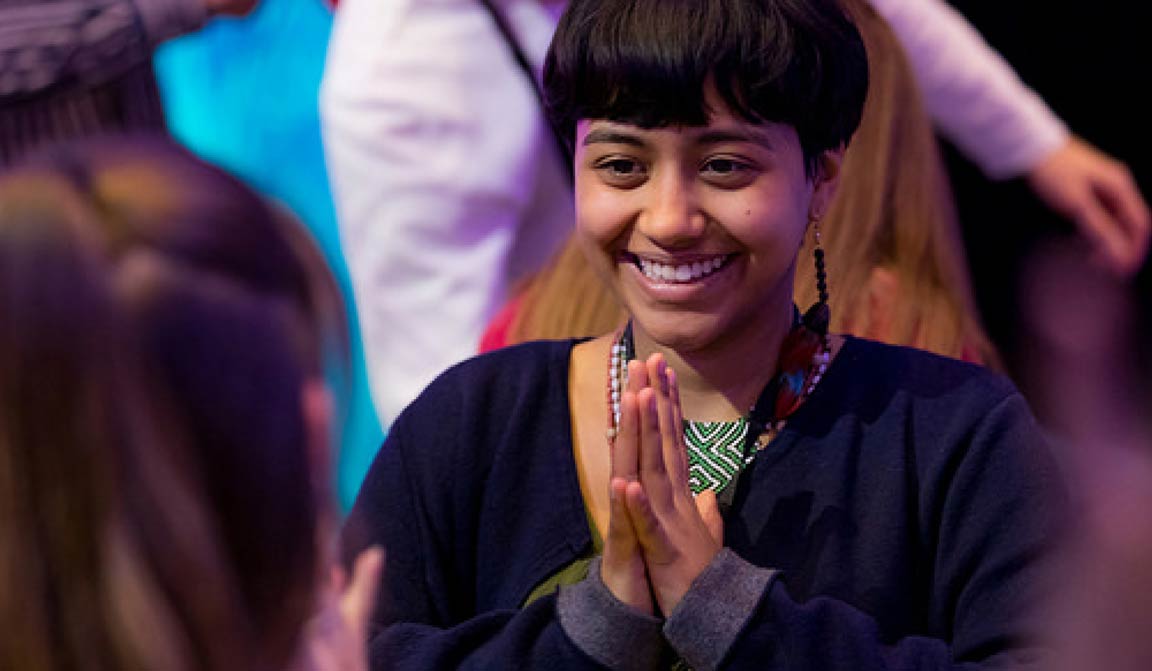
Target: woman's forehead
[{"x": 722, "y": 127}]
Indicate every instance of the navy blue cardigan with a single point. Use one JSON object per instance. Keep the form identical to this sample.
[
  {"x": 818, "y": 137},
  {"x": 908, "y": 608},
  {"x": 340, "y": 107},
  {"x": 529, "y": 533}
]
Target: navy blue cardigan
[{"x": 909, "y": 506}]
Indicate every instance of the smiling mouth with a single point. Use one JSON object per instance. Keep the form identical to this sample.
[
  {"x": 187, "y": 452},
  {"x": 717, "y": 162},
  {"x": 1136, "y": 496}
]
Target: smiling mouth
[{"x": 684, "y": 272}]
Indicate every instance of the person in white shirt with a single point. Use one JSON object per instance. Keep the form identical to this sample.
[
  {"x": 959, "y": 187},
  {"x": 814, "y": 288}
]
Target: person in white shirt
[{"x": 449, "y": 185}]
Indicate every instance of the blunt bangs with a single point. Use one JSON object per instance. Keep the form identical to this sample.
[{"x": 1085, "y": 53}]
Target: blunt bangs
[{"x": 648, "y": 63}]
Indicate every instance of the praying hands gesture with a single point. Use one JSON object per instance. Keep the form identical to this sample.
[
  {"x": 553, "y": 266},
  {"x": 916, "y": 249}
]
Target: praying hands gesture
[{"x": 659, "y": 537}]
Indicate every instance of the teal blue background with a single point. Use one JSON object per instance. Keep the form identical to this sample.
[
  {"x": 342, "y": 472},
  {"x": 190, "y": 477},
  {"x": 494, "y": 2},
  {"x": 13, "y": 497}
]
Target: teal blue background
[{"x": 243, "y": 94}]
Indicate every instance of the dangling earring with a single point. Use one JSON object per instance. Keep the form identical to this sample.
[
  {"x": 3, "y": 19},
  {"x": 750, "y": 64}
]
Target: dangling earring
[{"x": 819, "y": 315}]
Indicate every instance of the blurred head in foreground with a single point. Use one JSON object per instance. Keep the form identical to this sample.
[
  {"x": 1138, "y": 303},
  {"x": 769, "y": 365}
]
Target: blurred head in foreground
[{"x": 163, "y": 420}]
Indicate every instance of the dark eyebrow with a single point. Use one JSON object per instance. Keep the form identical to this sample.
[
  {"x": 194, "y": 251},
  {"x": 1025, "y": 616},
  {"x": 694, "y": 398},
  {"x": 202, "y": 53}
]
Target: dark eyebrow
[
  {"x": 718, "y": 136},
  {"x": 609, "y": 136}
]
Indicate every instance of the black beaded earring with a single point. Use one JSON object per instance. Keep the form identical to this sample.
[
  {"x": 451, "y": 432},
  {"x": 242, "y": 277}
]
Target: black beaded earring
[{"x": 819, "y": 315}]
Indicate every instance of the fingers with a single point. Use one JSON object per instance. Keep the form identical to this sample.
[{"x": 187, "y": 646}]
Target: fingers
[
  {"x": 359, "y": 599},
  {"x": 1099, "y": 195},
  {"x": 637, "y": 376},
  {"x": 653, "y": 473},
  {"x": 1103, "y": 232},
  {"x": 677, "y": 465},
  {"x": 1121, "y": 197},
  {"x": 1081, "y": 197},
  {"x": 650, "y": 533},
  {"x": 620, "y": 541},
  {"x": 626, "y": 447},
  {"x": 622, "y": 567},
  {"x": 658, "y": 374},
  {"x": 335, "y": 637},
  {"x": 621, "y": 538},
  {"x": 676, "y": 549},
  {"x": 671, "y": 430}
]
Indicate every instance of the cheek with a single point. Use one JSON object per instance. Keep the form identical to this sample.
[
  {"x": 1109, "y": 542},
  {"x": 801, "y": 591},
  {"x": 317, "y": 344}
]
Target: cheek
[
  {"x": 601, "y": 216},
  {"x": 766, "y": 222},
  {"x": 595, "y": 241}
]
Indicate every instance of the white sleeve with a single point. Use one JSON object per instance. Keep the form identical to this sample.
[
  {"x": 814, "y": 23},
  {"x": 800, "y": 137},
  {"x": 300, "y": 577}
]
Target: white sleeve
[
  {"x": 437, "y": 152},
  {"x": 972, "y": 93}
]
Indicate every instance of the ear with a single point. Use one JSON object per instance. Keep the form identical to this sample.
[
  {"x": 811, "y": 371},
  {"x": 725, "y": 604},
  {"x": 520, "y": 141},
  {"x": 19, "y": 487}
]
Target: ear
[
  {"x": 825, "y": 182},
  {"x": 317, "y": 408}
]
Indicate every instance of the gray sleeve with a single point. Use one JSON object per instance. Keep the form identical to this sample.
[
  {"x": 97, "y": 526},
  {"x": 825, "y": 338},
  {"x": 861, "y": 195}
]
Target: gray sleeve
[
  {"x": 46, "y": 44},
  {"x": 607, "y": 630},
  {"x": 706, "y": 622}
]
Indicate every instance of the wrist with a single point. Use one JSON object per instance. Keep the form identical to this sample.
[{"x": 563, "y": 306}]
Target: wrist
[
  {"x": 681, "y": 583},
  {"x": 606, "y": 629},
  {"x": 626, "y": 585},
  {"x": 715, "y": 609}
]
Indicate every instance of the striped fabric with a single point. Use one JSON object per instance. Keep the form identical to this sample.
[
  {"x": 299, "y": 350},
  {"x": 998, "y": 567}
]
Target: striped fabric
[
  {"x": 715, "y": 453},
  {"x": 129, "y": 104},
  {"x": 75, "y": 68}
]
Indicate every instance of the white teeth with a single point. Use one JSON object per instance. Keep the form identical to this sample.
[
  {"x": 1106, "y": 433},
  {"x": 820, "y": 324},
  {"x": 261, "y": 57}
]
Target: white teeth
[{"x": 682, "y": 273}]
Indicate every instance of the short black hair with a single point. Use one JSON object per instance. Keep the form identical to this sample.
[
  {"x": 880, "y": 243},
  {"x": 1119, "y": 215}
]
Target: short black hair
[{"x": 647, "y": 63}]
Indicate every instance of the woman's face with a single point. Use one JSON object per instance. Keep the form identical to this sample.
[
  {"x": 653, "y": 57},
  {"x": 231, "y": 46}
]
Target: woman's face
[{"x": 696, "y": 229}]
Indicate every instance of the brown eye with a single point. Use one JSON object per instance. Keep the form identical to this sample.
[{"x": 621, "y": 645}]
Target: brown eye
[
  {"x": 728, "y": 172},
  {"x": 621, "y": 172},
  {"x": 722, "y": 166}
]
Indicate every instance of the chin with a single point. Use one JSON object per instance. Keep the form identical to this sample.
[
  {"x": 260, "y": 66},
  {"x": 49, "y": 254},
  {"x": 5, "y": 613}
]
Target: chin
[{"x": 684, "y": 333}]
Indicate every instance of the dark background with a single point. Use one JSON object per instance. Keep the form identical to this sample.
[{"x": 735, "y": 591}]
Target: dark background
[{"x": 1092, "y": 63}]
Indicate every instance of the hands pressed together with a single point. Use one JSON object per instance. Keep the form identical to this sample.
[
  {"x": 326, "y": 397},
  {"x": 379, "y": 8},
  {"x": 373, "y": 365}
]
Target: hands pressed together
[{"x": 659, "y": 537}]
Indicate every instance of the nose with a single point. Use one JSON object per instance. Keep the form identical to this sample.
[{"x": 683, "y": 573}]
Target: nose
[{"x": 672, "y": 216}]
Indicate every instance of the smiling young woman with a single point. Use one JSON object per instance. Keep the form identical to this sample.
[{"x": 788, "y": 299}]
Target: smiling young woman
[
  {"x": 721, "y": 482},
  {"x": 695, "y": 229}
]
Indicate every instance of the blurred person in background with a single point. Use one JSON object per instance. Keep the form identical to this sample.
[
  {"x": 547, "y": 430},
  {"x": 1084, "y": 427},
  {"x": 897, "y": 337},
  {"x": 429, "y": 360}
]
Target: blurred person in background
[
  {"x": 1082, "y": 58},
  {"x": 209, "y": 80},
  {"x": 78, "y": 68},
  {"x": 1087, "y": 335},
  {"x": 165, "y": 429}
]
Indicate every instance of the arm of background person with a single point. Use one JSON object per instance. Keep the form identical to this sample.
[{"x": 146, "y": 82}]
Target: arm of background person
[
  {"x": 436, "y": 147},
  {"x": 979, "y": 103},
  {"x": 89, "y": 42}
]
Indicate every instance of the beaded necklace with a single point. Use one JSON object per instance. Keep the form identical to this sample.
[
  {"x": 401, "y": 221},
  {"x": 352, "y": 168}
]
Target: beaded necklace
[{"x": 719, "y": 451}]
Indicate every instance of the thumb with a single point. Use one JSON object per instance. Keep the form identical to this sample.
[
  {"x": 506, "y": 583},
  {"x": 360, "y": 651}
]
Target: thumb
[
  {"x": 1120, "y": 197},
  {"x": 359, "y": 599},
  {"x": 709, "y": 510},
  {"x": 1106, "y": 235}
]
